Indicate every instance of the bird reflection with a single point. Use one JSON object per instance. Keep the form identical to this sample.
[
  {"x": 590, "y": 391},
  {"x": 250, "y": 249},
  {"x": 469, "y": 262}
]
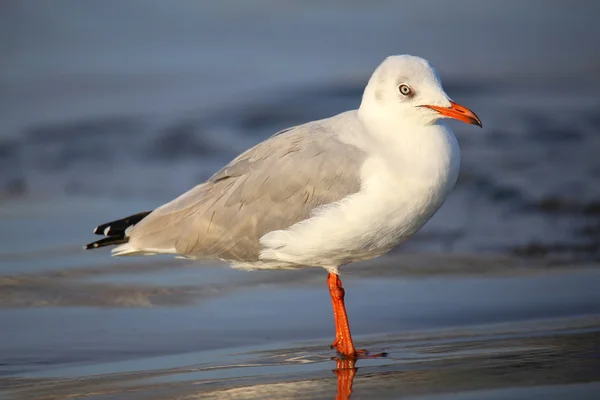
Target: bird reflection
[{"x": 345, "y": 371}]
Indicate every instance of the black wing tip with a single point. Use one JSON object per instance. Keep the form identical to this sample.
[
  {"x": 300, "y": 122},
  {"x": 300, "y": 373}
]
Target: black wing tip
[
  {"x": 118, "y": 226},
  {"x": 101, "y": 229},
  {"x": 109, "y": 241},
  {"x": 115, "y": 231},
  {"x": 104, "y": 229}
]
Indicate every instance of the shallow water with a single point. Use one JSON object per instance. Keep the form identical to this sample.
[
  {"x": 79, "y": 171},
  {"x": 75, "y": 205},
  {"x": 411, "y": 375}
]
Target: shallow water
[{"x": 482, "y": 335}]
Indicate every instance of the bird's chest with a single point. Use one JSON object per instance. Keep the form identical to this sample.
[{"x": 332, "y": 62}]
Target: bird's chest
[{"x": 398, "y": 200}]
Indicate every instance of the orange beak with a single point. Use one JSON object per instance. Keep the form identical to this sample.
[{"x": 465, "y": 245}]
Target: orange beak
[{"x": 458, "y": 112}]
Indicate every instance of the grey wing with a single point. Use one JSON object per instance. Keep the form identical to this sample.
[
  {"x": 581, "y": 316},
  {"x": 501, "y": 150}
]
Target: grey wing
[{"x": 272, "y": 186}]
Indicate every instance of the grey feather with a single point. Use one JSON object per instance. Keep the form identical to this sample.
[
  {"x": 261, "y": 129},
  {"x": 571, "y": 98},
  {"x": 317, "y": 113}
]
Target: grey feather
[{"x": 272, "y": 186}]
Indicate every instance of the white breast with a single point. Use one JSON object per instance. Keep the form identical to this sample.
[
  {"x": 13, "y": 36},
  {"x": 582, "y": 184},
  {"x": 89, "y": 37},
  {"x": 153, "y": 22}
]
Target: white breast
[{"x": 403, "y": 185}]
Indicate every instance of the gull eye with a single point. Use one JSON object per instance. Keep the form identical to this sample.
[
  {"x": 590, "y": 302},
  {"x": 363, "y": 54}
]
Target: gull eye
[{"x": 404, "y": 89}]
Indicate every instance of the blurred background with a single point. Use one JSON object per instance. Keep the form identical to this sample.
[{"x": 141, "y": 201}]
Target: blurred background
[
  {"x": 144, "y": 99},
  {"x": 112, "y": 107}
]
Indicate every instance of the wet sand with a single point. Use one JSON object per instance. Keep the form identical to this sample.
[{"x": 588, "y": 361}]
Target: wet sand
[{"x": 542, "y": 359}]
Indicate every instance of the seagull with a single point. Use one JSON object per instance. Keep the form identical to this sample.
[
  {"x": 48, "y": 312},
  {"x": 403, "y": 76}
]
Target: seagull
[{"x": 323, "y": 194}]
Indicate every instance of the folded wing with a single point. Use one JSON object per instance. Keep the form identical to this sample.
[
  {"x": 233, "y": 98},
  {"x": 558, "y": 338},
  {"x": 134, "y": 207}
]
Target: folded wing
[{"x": 270, "y": 187}]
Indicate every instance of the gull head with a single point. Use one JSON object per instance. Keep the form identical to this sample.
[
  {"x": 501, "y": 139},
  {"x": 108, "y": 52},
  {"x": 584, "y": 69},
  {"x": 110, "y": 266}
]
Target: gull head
[{"x": 407, "y": 88}]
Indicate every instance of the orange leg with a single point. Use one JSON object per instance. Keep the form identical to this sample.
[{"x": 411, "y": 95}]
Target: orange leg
[{"x": 343, "y": 338}]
